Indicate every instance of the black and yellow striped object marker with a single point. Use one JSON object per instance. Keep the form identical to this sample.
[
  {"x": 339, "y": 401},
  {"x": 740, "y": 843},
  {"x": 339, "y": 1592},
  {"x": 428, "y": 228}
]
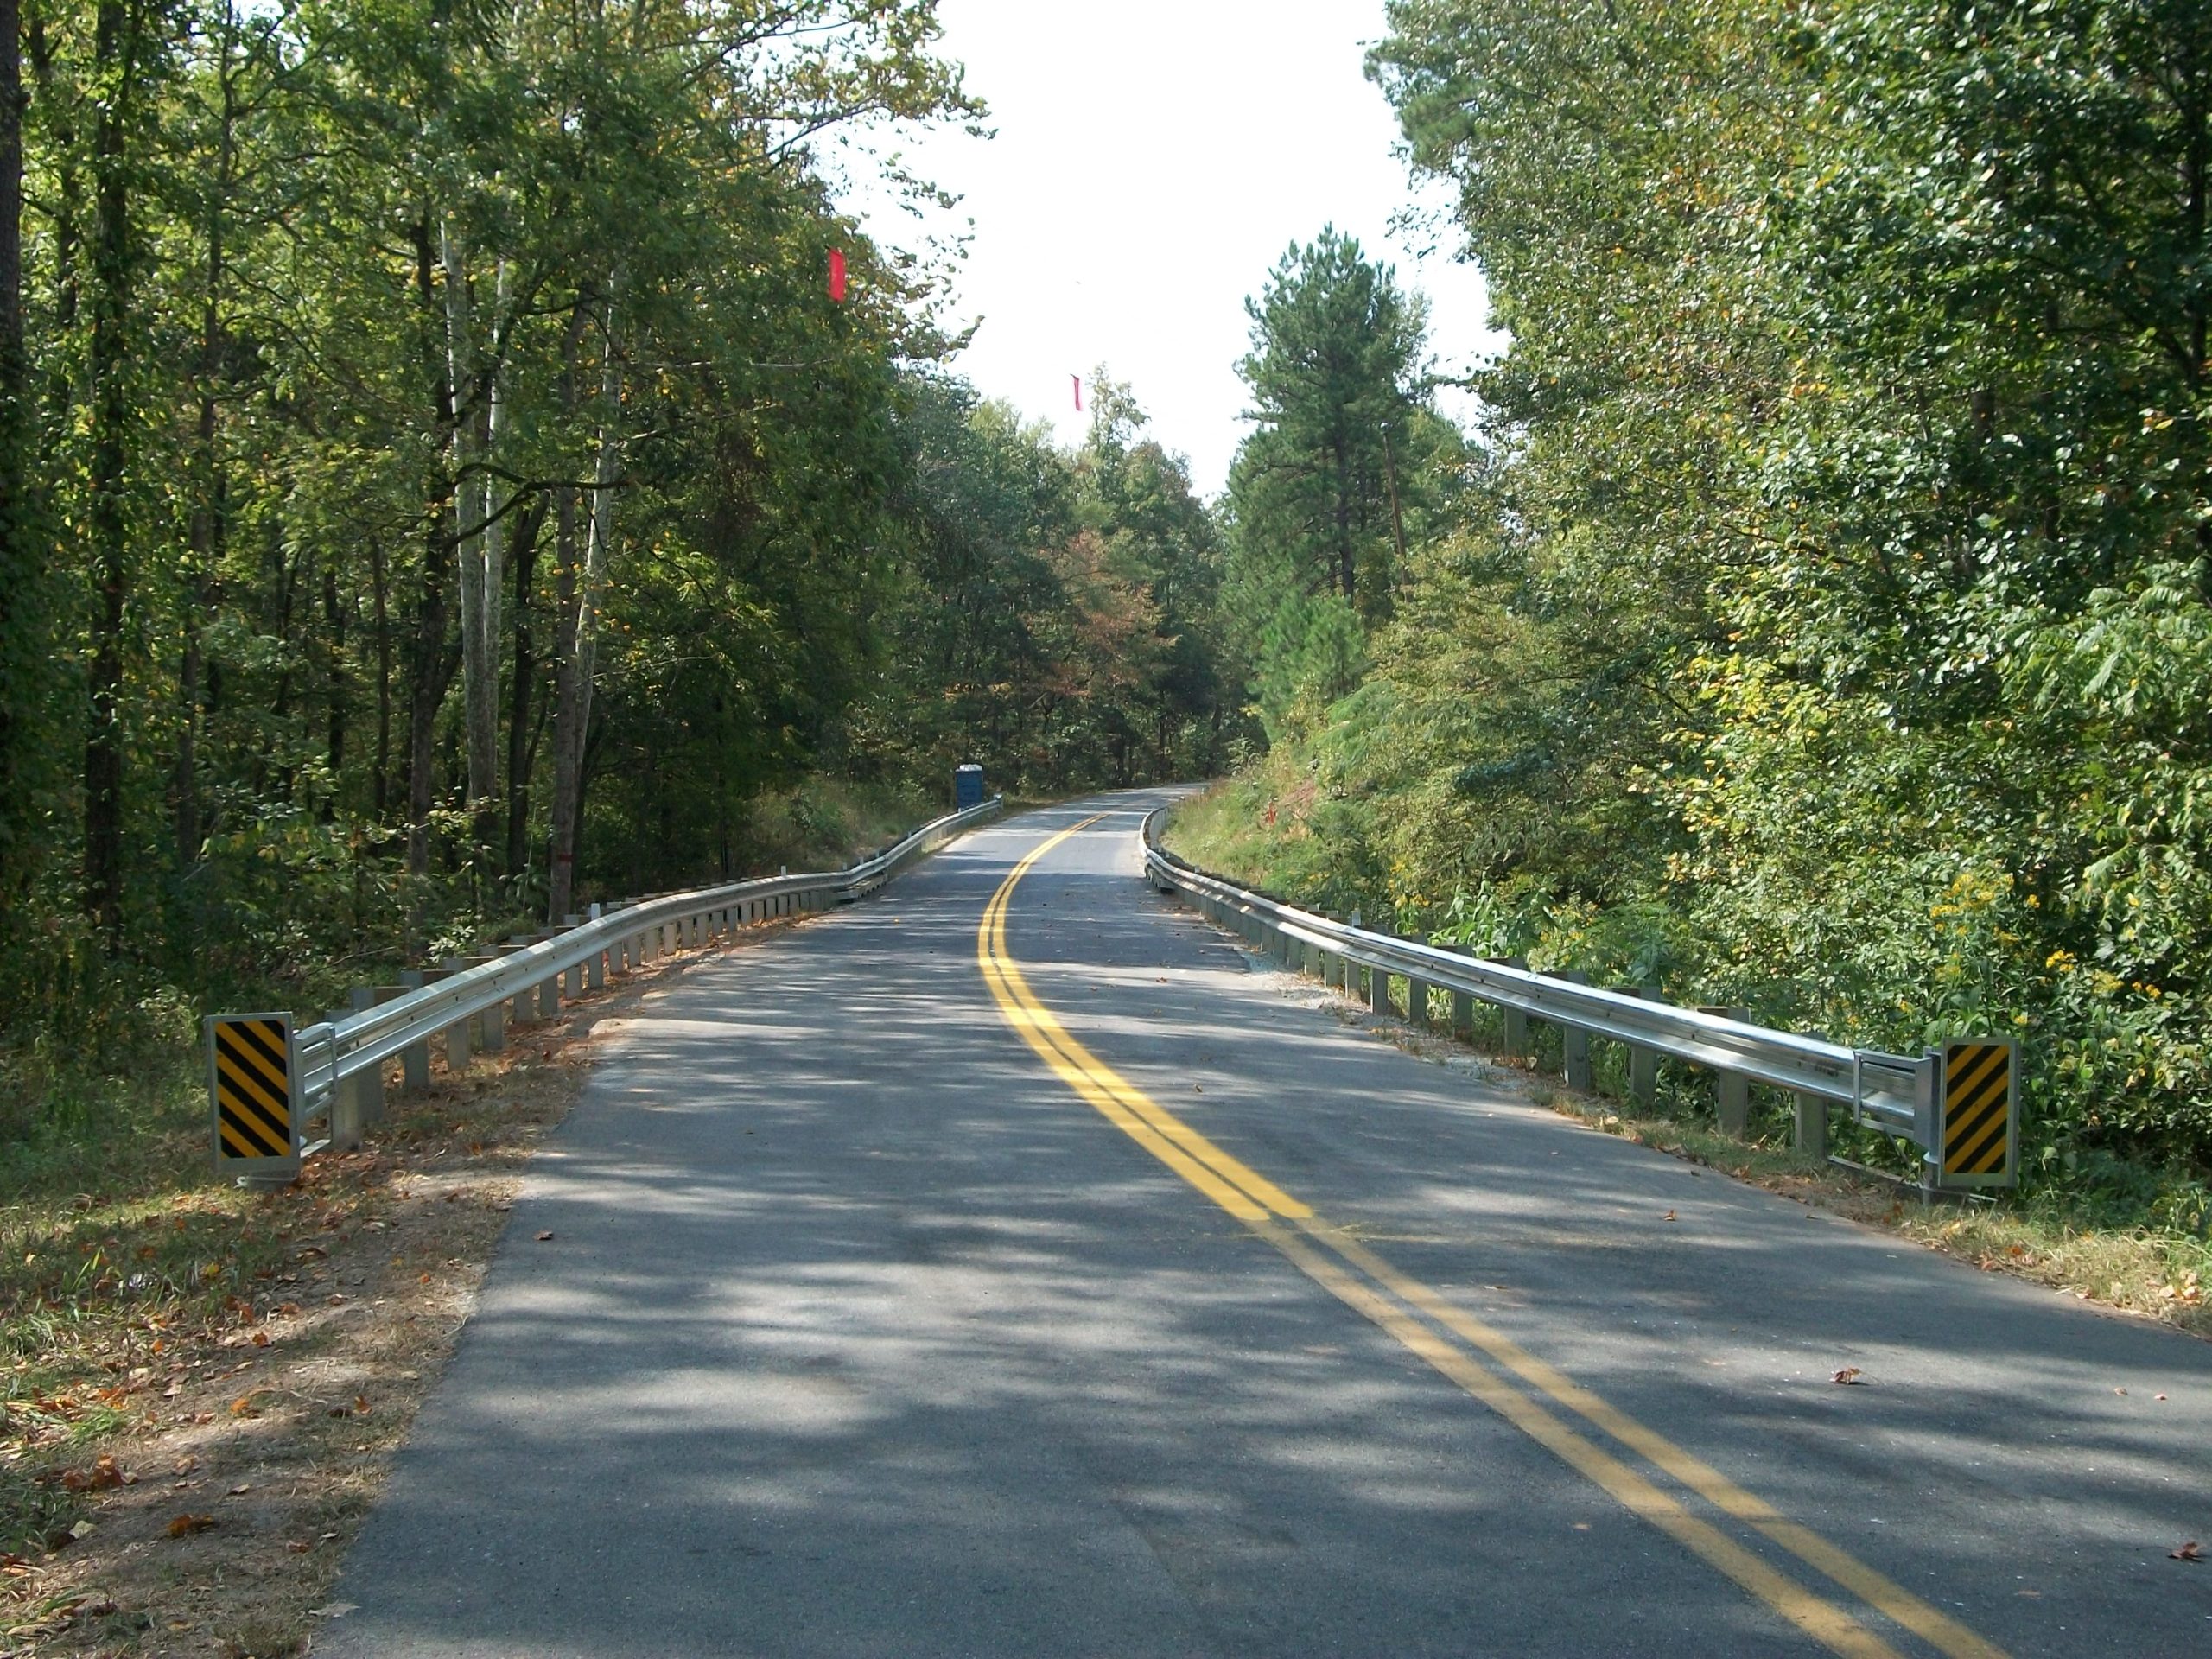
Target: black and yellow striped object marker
[
  {"x": 251, "y": 1083},
  {"x": 1980, "y": 1097}
]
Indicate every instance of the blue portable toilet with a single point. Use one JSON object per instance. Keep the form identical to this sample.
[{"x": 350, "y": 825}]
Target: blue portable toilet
[{"x": 967, "y": 785}]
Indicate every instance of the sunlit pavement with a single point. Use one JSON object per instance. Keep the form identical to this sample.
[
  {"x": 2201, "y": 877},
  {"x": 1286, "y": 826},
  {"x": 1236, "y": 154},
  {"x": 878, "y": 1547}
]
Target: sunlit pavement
[{"x": 861, "y": 1333}]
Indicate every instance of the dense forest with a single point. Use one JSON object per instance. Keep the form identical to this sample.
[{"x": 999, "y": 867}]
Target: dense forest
[
  {"x": 443, "y": 482},
  {"x": 1820, "y": 618},
  {"x": 462, "y": 460}
]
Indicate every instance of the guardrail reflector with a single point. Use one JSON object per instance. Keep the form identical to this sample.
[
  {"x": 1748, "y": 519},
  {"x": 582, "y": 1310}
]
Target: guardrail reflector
[
  {"x": 253, "y": 1087},
  {"x": 1980, "y": 1100}
]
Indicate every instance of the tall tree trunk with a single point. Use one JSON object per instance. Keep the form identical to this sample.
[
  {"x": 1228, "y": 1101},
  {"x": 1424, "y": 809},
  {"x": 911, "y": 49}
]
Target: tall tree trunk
[
  {"x": 22, "y": 563},
  {"x": 580, "y": 628},
  {"x": 431, "y": 660},
  {"x": 475, "y": 378},
  {"x": 210, "y": 482},
  {"x": 117, "y": 49},
  {"x": 560, "y": 873},
  {"x": 333, "y": 619},
  {"x": 520, "y": 747},
  {"x": 380, "y": 597}
]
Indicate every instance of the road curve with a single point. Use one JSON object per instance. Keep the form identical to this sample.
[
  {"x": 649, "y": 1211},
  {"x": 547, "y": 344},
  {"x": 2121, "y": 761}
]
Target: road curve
[{"x": 1011, "y": 1265}]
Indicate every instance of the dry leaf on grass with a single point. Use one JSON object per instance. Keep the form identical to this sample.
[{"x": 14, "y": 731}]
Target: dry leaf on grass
[
  {"x": 183, "y": 1526},
  {"x": 1848, "y": 1374},
  {"x": 101, "y": 1476}
]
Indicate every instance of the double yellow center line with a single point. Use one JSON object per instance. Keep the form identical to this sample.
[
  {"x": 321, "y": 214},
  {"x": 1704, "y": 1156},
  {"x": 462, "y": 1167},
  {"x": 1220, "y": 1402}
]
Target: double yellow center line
[{"x": 1528, "y": 1392}]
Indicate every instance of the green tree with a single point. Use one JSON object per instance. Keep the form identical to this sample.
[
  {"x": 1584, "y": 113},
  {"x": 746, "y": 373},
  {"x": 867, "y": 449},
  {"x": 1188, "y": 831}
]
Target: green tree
[{"x": 1320, "y": 492}]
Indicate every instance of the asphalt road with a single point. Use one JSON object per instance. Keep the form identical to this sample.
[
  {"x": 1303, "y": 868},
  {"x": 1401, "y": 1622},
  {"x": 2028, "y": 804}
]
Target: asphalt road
[{"x": 1100, "y": 1292}]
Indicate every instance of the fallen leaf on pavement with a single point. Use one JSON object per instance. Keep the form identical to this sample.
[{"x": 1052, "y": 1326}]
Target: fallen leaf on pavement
[
  {"x": 2189, "y": 1552},
  {"x": 542, "y": 1237},
  {"x": 333, "y": 1610},
  {"x": 184, "y": 1525},
  {"x": 1848, "y": 1374},
  {"x": 1669, "y": 1216}
]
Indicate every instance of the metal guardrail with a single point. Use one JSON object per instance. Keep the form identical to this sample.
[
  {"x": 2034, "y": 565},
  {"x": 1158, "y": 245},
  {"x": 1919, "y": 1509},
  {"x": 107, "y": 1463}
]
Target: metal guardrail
[
  {"x": 328, "y": 1059},
  {"x": 1898, "y": 1094}
]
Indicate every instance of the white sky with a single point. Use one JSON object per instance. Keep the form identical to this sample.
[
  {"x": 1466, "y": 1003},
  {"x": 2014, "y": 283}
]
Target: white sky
[{"x": 1152, "y": 160}]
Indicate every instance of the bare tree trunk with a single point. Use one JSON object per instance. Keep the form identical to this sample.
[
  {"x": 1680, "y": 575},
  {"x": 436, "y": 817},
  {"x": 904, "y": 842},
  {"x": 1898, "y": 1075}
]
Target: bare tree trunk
[
  {"x": 430, "y": 666},
  {"x": 380, "y": 591},
  {"x": 22, "y": 565},
  {"x": 560, "y": 874},
  {"x": 581, "y": 594},
  {"x": 334, "y": 617},
  {"x": 475, "y": 545},
  {"x": 521, "y": 749},
  {"x": 210, "y": 480},
  {"x": 430, "y": 660},
  {"x": 118, "y": 28}
]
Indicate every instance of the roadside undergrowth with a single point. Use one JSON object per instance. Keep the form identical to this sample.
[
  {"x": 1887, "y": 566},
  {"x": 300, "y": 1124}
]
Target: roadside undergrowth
[{"x": 2160, "y": 1272}]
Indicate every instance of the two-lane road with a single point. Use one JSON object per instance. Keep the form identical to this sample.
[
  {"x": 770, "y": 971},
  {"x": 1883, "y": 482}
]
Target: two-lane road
[{"x": 1003, "y": 1266}]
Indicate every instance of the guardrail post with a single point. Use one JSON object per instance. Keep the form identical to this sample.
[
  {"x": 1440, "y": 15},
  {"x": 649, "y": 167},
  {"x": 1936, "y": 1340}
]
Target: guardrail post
[
  {"x": 345, "y": 1118},
  {"x": 1643, "y": 1062},
  {"x": 1516, "y": 1020},
  {"x": 1810, "y": 1129},
  {"x": 524, "y": 1008},
  {"x": 369, "y": 1085},
  {"x": 594, "y": 965},
  {"x": 489, "y": 1028},
  {"x": 1463, "y": 1006},
  {"x": 457, "y": 1034},
  {"x": 1811, "y": 1134},
  {"x": 572, "y": 977},
  {"x": 548, "y": 988},
  {"x": 415, "y": 1058},
  {"x": 1732, "y": 1090},
  {"x": 1417, "y": 1000},
  {"x": 1575, "y": 1042},
  {"x": 1378, "y": 991}
]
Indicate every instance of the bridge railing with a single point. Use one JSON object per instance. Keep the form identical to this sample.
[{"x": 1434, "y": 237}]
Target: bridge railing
[
  {"x": 333, "y": 1071},
  {"x": 1903, "y": 1096}
]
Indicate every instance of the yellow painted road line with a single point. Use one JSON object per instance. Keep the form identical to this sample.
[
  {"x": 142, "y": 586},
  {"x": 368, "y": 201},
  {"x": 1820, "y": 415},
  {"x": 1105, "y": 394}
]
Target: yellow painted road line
[
  {"x": 1937, "y": 1628},
  {"x": 1258, "y": 1202},
  {"x": 1823, "y": 1621},
  {"x": 1240, "y": 1191}
]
